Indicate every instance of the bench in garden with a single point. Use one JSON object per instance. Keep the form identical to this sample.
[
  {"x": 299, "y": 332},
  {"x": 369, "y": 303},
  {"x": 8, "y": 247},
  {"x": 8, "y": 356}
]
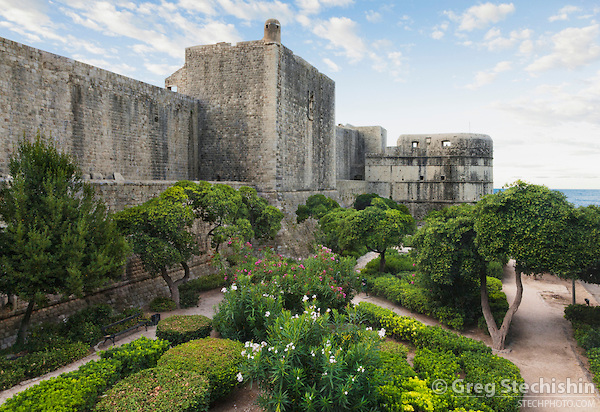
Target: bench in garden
[{"x": 135, "y": 321}]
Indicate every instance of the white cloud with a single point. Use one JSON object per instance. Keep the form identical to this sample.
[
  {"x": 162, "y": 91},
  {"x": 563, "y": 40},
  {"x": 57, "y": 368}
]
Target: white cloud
[
  {"x": 314, "y": 6},
  {"x": 29, "y": 17},
  {"x": 563, "y": 14},
  {"x": 256, "y": 10},
  {"x": 161, "y": 69},
  {"x": 332, "y": 66},
  {"x": 553, "y": 104},
  {"x": 483, "y": 78},
  {"x": 572, "y": 48},
  {"x": 373, "y": 16},
  {"x": 439, "y": 31},
  {"x": 481, "y": 16},
  {"x": 202, "y": 6},
  {"x": 494, "y": 41},
  {"x": 341, "y": 33}
]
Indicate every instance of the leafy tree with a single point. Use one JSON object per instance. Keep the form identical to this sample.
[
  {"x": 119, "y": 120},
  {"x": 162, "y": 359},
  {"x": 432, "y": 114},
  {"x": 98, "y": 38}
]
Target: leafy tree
[
  {"x": 331, "y": 228},
  {"x": 316, "y": 206},
  {"x": 57, "y": 238},
  {"x": 365, "y": 200},
  {"x": 232, "y": 213},
  {"x": 377, "y": 228},
  {"x": 528, "y": 224},
  {"x": 450, "y": 264},
  {"x": 160, "y": 232}
]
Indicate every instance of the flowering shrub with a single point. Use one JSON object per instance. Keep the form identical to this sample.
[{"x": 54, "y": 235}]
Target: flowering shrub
[{"x": 314, "y": 361}]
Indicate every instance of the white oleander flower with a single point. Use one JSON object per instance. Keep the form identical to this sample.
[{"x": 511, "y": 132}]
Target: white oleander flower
[
  {"x": 233, "y": 287},
  {"x": 267, "y": 314},
  {"x": 224, "y": 290},
  {"x": 381, "y": 333},
  {"x": 240, "y": 377}
]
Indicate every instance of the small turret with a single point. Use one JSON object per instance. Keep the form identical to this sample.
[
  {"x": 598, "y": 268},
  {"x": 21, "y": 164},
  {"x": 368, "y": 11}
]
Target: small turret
[{"x": 272, "y": 31}]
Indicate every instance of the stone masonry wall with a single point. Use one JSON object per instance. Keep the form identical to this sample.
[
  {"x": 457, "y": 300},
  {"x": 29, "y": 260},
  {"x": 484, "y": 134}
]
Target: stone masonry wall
[
  {"x": 236, "y": 141},
  {"x": 350, "y": 154},
  {"x": 305, "y": 126},
  {"x": 108, "y": 122}
]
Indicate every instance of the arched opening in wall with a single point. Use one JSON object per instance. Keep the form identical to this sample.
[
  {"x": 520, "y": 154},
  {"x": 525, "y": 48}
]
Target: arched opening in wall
[
  {"x": 421, "y": 177},
  {"x": 446, "y": 143},
  {"x": 218, "y": 178},
  {"x": 442, "y": 177}
]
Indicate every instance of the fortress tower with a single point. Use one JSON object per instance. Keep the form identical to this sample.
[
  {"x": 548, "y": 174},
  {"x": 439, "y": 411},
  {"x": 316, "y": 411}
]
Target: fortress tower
[{"x": 268, "y": 115}]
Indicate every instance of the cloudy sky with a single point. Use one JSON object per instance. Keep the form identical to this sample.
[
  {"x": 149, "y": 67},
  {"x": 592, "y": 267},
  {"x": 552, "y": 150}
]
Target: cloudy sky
[{"x": 527, "y": 73}]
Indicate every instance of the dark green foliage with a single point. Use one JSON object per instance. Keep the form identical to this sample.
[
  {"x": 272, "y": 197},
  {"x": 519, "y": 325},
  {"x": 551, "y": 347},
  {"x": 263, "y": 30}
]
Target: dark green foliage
[
  {"x": 140, "y": 354},
  {"x": 162, "y": 304},
  {"x": 433, "y": 365},
  {"x": 57, "y": 238},
  {"x": 73, "y": 391},
  {"x": 190, "y": 291},
  {"x": 180, "y": 328},
  {"x": 39, "y": 363},
  {"x": 157, "y": 389},
  {"x": 495, "y": 270},
  {"x": 589, "y": 315},
  {"x": 316, "y": 207},
  {"x": 593, "y": 356},
  {"x": 365, "y": 200},
  {"x": 217, "y": 359},
  {"x": 394, "y": 367},
  {"x": 330, "y": 233},
  {"x": 395, "y": 262}
]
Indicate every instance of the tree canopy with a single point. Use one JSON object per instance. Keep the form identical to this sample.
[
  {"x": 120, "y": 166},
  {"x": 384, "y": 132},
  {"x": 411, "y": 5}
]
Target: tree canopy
[
  {"x": 58, "y": 238},
  {"x": 316, "y": 207}
]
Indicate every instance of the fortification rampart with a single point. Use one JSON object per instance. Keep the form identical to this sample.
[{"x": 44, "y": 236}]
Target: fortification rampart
[{"x": 108, "y": 122}]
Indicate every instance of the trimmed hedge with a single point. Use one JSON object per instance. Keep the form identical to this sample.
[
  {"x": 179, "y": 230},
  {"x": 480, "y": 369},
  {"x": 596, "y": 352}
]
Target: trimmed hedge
[
  {"x": 79, "y": 390},
  {"x": 217, "y": 359},
  {"x": 157, "y": 389},
  {"x": 73, "y": 391},
  {"x": 181, "y": 328},
  {"x": 443, "y": 354},
  {"x": 39, "y": 363},
  {"x": 408, "y": 329}
]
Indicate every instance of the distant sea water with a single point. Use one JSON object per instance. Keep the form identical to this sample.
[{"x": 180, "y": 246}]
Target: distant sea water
[{"x": 580, "y": 197}]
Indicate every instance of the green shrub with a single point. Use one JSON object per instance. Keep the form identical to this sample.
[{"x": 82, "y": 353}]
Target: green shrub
[
  {"x": 314, "y": 362},
  {"x": 162, "y": 304},
  {"x": 73, "y": 391},
  {"x": 589, "y": 315},
  {"x": 158, "y": 389},
  {"x": 140, "y": 354},
  {"x": 495, "y": 270},
  {"x": 190, "y": 291},
  {"x": 409, "y": 329},
  {"x": 39, "y": 363},
  {"x": 593, "y": 356},
  {"x": 181, "y": 328},
  {"x": 395, "y": 262},
  {"x": 498, "y": 373},
  {"x": 217, "y": 359},
  {"x": 246, "y": 310},
  {"x": 394, "y": 368},
  {"x": 434, "y": 365},
  {"x": 412, "y": 394}
]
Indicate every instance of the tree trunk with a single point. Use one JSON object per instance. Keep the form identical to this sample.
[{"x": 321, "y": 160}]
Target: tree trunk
[
  {"x": 499, "y": 335},
  {"x": 172, "y": 286},
  {"x": 186, "y": 276},
  {"x": 25, "y": 323},
  {"x": 382, "y": 261},
  {"x": 573, "y": 283}
]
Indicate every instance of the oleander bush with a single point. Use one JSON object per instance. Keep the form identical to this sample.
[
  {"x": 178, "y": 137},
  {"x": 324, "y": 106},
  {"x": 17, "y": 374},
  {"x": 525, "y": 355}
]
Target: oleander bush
[
  {"x": 189, "y": 292},
  {"x": 314, "y": 361},
  {"x": 217, "y": 359},
  {"x": 183, "y": 328},
  {"x": 264, "y": 286},
  {"x": 158, "y": 389},
  {"x": 162, "y": 304},
  {"x": 140, "y": 354},
  {"x": 39, "y": 363}
]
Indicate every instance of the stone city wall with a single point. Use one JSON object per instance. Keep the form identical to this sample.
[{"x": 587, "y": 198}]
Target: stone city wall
[{"x": 108, "y": 122}]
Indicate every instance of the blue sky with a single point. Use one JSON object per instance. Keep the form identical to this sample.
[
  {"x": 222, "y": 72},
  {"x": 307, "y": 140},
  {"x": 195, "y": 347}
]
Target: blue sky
[{"x": 525, "y": 72}]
